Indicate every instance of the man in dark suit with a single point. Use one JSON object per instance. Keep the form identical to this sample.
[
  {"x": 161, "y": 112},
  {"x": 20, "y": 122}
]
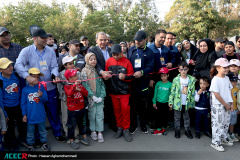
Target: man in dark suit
[{"x": 102, "y": 53}]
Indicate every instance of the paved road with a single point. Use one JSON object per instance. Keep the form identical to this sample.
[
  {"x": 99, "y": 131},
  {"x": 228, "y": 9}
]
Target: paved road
[{"x": 147, "y": 146}]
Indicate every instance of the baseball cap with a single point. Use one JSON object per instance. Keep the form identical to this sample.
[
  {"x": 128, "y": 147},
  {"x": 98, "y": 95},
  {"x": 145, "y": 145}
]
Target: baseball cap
[
  {"x": 232, "y": 76},
  {"x": 3, "y": 29},
  {"x": 69, "y": 73},
  {"x": 40, "y": 32},
  {"x": 4, "y": 63},
  {"x": 235, "y": 62},
  {"x": 223, "y": 62},
  {"x": 83, "y": 37},
  {"x": 116, "y": 48},
  {"x": 220, "y": 40},
  {"x": 74, "y": 41},
  {"x": 82, "y": 47},
  {"x": 67, "y": 59},
  {"x": 140, "y": 35},
  {"x": 163, "y": 70},
  {"x": 35, "y": 71}
]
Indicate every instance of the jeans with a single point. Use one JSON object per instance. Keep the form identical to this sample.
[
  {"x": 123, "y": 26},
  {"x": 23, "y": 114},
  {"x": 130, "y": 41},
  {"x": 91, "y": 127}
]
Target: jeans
[
  {"x": 76, "y": 118},
  {"x": 31, "y": 130}
]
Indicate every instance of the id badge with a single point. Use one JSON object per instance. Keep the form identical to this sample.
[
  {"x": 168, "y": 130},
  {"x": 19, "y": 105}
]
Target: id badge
[
  {"x": 43, "y": 65},
  {"x": 162, "y": 60},
  {"x": 187, "y": 60},
  {"x": 138, "y": 63}
]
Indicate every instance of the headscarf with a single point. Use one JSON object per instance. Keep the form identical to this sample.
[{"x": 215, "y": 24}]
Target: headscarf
[
  {"x": 234, "y": 40},
  {"x": 90, "y": 72},
  {"x": 202, "y": 58}
]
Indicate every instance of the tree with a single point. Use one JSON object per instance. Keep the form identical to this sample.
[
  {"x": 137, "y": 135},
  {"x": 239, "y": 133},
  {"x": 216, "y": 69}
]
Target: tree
[{"x": 192, "y": 18}]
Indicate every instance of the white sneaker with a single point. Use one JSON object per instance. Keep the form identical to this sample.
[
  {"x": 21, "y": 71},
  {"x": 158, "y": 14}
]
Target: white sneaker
[
  {"x": 227, "y": 142},
  {"x": 217, "y": 147},
  {"x": 94, "y": 136},
  {"x": 100, "y": 138},
  {"x": 233, "y": 137}
]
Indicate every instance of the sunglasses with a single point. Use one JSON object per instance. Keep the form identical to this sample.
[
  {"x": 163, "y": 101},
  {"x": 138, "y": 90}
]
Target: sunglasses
[{"x": 183, "y": 70}]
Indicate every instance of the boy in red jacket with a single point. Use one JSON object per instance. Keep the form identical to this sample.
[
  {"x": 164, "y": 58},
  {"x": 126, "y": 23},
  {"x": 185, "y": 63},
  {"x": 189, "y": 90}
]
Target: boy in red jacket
[
  {"x": 76, "y": 112},
  {"x": 119, "y": 90}
]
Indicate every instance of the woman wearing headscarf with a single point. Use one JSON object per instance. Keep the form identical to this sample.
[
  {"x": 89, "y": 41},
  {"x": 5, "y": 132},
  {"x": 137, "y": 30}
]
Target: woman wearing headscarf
[
  {"x": 187, "y": 53},
  {"x": 236, "y": 41},
  {"x": 204, "y": 58}
]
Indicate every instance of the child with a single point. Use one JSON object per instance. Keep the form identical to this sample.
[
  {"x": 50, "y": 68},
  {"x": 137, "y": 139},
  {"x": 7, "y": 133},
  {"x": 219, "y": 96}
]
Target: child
[
  {"x": 3, "y": 128},
  {"x": 182, "y": 98},
  {"x": 11, "y": 91},
  {"x": 96, "y": 102},
  {"x": 234, "y": 68},
  {"x": 68, "y": 63},
  {"x": 160, "y": 102},
  {"x": 202, "y": 107},
  {"x": 33, "y": 111},
  {"x": 76, "y": 112},
  {"x": 233, "y": 118},
  {"x": 119, "y": 90},
  {"x": 221, "y": 104}
]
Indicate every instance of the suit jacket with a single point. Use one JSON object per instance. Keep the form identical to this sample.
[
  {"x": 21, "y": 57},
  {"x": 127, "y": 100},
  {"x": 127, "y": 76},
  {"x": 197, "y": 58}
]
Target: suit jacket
[{"x": 100, "y": 58}]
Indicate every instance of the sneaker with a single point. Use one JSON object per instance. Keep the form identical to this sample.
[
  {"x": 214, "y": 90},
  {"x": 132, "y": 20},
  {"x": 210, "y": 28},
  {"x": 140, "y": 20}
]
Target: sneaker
[
  {"x": 45, "y": 147},
  {"x": 188, "y": 134},
  {"x": 61, "y": 139},
  {"x": 156, "y": 132},
  {"x": 84, "y": 141},
  {"x": 197, "y": 135},
  {"x": 237, "y": 135},
  {"x": 144, "y": 130},
  {"x": 75, "y": 140},
  {"x": 100, "y": 138},
  {"x": 233, "y": 137},
  {"x": 74, "y": 145},
  {"x": 127, "y": 135},
  {"x": 227, "y": 142},
  {"x": 30, "y": 148},
  {"x": 119, "y": 133},
  {"x": 164, "y": 132},
  {"x": 94, "y": 136},
  {"x": 133, "y": 130},
  {"x": 217, "y": 147},
  {"x": 177, "y": 133},
  {"x": 37, "y": 143}
]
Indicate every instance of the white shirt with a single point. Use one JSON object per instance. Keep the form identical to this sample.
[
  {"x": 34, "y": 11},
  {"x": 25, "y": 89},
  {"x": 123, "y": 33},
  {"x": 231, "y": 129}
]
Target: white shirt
[
  {"x": 222, "y": 86},
  {"x": 184, "y": 89}
]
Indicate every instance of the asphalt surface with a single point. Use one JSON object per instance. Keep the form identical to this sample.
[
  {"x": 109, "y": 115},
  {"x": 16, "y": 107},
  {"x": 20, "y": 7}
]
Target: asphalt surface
[{"x": 147, "y": 146}]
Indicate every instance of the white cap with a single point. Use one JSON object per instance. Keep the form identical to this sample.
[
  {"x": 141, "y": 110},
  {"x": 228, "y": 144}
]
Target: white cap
[
  {"x": 223, "y": 62},
  {"x": 235, "y": 62},
  {"x": 67, "y": 59}
]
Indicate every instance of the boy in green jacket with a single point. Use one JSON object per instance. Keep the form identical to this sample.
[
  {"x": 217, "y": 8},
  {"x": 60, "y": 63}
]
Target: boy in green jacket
[{"x": 182, "y": 98}]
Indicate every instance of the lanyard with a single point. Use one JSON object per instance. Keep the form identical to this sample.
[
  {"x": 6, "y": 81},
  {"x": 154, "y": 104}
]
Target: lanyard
[
  {"x": 188, "y": 54},
  {"x": 39, "y": 54},
  {"x": 142, "y": 51}
]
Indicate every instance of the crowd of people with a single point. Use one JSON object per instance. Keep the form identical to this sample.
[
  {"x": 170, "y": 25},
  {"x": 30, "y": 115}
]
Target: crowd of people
[{"x": 78, "y": 88}]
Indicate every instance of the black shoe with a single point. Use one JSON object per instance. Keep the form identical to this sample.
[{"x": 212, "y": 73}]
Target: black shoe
[
  {"x": 197, "y": 135},
  {"x": 188, "y": 134},
  {"x": 133, "y": 130},
  {"x": 61, "y": 139},
  {"x": 177, "y": 133},
  {"x": 37, "y": 143},
  {"x": 144, "y": 130},
  {"x": 208, "y": 134}
]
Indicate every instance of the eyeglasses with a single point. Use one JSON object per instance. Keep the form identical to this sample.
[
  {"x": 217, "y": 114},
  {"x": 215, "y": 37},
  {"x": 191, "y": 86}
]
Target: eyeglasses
[
  {"x": 183, "y": 70},
  {"x": 4, "y": 36}
]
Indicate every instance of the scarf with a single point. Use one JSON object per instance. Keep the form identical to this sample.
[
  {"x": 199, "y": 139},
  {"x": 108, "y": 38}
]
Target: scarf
[{"x": 90, "y": 72}]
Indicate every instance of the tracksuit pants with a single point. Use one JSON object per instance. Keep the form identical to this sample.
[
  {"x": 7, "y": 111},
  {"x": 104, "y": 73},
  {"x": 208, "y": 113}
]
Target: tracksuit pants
[{"x": 121, "y": 109}]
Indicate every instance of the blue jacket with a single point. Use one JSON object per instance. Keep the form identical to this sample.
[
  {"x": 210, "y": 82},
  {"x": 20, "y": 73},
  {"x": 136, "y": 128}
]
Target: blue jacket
[
  {"x": 175, "y": 55},
  {"x": 140, "y": 85},
  {"x": 32, "y": 105}
]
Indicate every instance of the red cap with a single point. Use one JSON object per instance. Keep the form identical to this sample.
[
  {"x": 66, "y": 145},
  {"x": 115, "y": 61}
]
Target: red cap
[
  {"x": 163, "y": 70},
  {"x": 69, "y": 73}
]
